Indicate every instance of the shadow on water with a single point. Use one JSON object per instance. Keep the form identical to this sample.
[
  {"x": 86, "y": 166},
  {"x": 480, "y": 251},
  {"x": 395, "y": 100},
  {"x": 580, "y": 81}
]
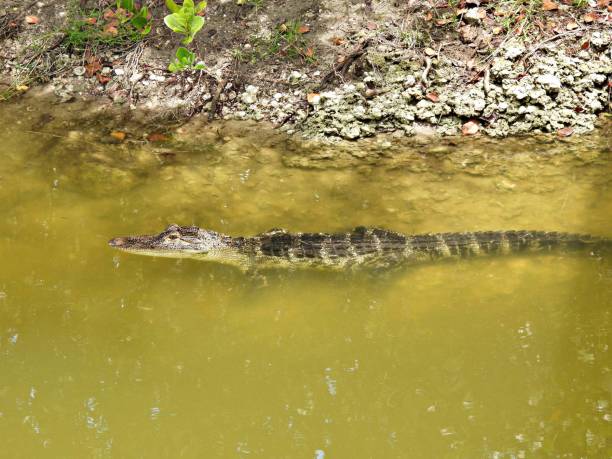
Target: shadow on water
[{"x": 106, "y": 354}]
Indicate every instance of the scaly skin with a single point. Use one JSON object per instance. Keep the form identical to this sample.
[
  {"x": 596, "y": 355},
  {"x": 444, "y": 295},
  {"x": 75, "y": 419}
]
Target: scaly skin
[{"x": 372, "y": 247}]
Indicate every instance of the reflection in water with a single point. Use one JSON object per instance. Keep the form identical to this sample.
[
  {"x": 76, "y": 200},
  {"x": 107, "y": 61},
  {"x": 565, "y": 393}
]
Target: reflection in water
[{"x": 106, "y": 354}]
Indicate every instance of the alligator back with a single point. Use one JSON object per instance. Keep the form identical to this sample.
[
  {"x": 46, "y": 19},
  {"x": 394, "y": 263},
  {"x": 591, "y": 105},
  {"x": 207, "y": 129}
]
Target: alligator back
[{"x": 381, "y": 248}]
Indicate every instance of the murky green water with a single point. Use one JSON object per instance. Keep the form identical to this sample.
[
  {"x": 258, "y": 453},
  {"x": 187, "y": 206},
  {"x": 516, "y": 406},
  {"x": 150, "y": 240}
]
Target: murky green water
[{"x": 104, "y": 354}]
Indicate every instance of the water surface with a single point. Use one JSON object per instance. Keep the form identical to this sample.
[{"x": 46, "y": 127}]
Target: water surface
[{"x": 104, "y": 354}]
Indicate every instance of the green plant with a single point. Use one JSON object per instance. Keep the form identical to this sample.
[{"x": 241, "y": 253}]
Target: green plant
[
  {"x": 580, "y": 3},
  {"x": 184, "y": 19},
  {"x": 185, "y": 60},
  {"x": 138, "y": 17},
  {"x": 288, "y": 39}
]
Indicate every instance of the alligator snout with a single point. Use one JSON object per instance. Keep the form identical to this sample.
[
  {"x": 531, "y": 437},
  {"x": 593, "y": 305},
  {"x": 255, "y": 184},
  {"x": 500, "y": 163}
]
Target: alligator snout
[{"x": 117, "y": 242}]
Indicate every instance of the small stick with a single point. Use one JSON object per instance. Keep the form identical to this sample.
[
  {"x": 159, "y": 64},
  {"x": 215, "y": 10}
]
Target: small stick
[
  {"x": 213, "y": 103},
  {"x": 426, "y": 72}
]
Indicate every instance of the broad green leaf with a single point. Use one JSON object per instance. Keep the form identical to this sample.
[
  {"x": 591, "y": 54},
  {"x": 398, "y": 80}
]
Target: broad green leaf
[
  {"x": 188, "y": 39},
  {"x": 176, "y": 23},
  {"x": 197, "y": 22},
  {"x": 173, "y": 67},
  {"x": 200, "y": 6},
  {"x": 183, "y": 53},
  {"x": 139, "y": 21},
  {"x": 188, "y": 8},
  {"x": 172, "y": 6}
]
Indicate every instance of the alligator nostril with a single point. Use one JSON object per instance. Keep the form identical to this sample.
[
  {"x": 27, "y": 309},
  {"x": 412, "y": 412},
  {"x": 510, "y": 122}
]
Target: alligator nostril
[{"x": 117, "y": 242}]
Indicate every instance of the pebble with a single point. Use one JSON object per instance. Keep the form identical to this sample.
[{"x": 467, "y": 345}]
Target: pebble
[
  {"x": 154, "y": 77},
  {"x": 549, "y": 81},
  {"x": 136, "y": 77},
  {"x": 119, "y": 71},
  {"x": 79, "y": 71}
]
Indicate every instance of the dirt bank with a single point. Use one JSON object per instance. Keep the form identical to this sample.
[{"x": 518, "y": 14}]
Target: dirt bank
[{"x": 331, "y": 69}]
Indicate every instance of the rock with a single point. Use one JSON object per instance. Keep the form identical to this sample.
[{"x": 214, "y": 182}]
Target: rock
[
  {"x": 250, "y": 94},
  {"x": 512, "y": 52},
  {"x": 79, "y": 71},
  {"x": 295, "y": 77},
  {"x": 136, "y": 77},
  {"x": 154, "y": 77},
  {"x": 474, "y": 15},
  {"x": 105, "y": 70},
  {"x": 119, "y": 71},
  {"x": 549, "y": 81},
  {"x": 410, "y": 80}
]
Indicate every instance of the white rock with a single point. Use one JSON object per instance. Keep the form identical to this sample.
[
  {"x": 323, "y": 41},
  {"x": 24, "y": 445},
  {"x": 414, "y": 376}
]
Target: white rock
[
  {"x": 512, "y": 52},
  {"x": 474, "y": 15},
  {"x": 479, "y": 105},
  {"x": 106, "y": 70},
  {"x": 549, "y": 81},
  {"x": 119, "y": 71},
  {"x": 154, "y": 77},
  {"x": 79, "y": 71},
  {"x": 295, "y": 76},
  {"x": 136, "y": 77},
  {"x": 410, "y": 80}
]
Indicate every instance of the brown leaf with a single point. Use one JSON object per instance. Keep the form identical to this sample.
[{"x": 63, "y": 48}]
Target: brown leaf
[
  {"x": 589, "y": 17},
  {"x": 442, "y": 22},
  {"x": 109, "y": 14},
  {"x": 103, "y": 79},
  {"x": 92, "y": 67},
  {"x": 157, "y": 137},
  {"x": 119, "y": 135},
  {"x": 313, "y": 97},
  {"x": 603, "y": 3},
  {"x": 470, "y": 128},
  {"x": 309, "y": 52},
  {"x": 110, "y": 30},
  {"x": 572, "y": 25},
  {"x": 433, "y": 96},
  {"x": 91, "y": 21},
  {"x": 565, "y": 132},
  {"x": 429, "y": 16},
  {"x": 32, "y": 19},
  {"x": 586, "y": 45},
  {"x": 549, "y": 5},
  {"x": 337, "y": 41},
  {"x": 303, "y": 29},
  {"x": 578, "y": 109}
]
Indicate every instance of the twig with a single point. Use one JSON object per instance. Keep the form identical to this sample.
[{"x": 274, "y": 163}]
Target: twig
[
  {"x": 341, "y": 68},
  {"x": 213, "y": 103},
  {"x": 426, "y": 71}
]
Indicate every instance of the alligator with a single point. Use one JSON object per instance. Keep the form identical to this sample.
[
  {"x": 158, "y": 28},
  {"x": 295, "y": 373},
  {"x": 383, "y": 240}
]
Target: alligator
[{"x": 373, "y": 247}]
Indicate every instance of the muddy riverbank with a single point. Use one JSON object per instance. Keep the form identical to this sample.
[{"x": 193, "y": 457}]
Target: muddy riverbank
[{"x": 331, "y": 70}]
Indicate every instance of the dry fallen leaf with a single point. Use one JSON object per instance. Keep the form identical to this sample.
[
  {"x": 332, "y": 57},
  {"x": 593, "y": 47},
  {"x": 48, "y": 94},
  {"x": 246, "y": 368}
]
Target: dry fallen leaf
[
  {"x": 585, "y": 45},
  {"x": 32, "y": 19},
  {"x": 603, "y": 3},
  {"x": 309, "y": 52},
  {"x": 157, "y": 137},
  {"x": 103, "y": 79},
  {"x": 442, "y": 22},
  {"x": 313, "y": 97},
  {"x": 433, "y": 97},
  {"x": 430, "y": 51},
  {"x": 91, "y": 21},
  {"x": 92, "y": 67},
  {"x": 589, "y": 17},
  {"x": 428, "y": 16},
  {"x": 119, "y": 135},
  {"x": 303, "y": 29},
  {"x": 549, "y": 5},
  {"x": 572, "y": 25},
  {"x": 108, "y": 14},
  {"x": 110, "y": 30},
  {"x": 337, "y": 41},
  {"x": 470, "y": 128},
  {"x": 565, "y": 132},
  {"x": 497, "y": 30}
]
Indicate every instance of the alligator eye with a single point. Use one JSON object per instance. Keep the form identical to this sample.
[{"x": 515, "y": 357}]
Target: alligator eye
[{"x": 173, "y": 236}]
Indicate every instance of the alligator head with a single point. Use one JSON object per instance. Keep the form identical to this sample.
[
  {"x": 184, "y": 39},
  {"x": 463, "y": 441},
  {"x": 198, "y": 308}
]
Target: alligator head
[{"x": 176, "y": 242}]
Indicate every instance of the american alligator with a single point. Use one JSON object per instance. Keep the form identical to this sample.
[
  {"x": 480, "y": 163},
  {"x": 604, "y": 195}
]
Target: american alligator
[{"x": 359, "y": 247}]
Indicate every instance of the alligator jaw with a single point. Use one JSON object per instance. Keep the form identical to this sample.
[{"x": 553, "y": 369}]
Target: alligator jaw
[{"x": 148, "y": 245}]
